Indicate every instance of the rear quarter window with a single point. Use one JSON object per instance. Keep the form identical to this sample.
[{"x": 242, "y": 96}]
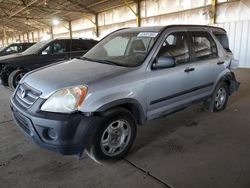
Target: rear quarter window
[{"x": 223, "y": 39}]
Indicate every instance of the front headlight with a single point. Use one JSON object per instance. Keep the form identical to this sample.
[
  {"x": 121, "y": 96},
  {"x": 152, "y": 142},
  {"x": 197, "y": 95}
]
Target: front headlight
[{"x": 66, "y": 100}]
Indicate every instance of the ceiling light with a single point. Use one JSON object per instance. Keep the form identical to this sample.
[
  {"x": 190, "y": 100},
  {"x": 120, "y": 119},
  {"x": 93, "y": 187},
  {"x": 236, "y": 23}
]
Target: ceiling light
[{"x": 55, "y": 22}]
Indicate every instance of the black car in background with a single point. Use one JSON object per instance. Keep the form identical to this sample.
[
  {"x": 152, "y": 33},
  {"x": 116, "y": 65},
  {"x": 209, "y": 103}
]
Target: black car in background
[
  {"x": 15, "y": 48},
  {"x": 14, "y": 67}
]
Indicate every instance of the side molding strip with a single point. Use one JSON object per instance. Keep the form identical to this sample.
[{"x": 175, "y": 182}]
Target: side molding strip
[{"x": 181, "y": 93}]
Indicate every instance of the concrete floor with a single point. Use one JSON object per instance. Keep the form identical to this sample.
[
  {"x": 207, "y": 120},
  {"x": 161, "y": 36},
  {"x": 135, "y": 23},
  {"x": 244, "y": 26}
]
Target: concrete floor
[{"x": 189, "y": 149}]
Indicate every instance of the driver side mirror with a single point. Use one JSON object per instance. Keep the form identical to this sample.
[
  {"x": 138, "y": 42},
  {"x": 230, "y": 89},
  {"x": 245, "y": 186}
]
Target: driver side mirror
[{"x": 164, "y": 62}]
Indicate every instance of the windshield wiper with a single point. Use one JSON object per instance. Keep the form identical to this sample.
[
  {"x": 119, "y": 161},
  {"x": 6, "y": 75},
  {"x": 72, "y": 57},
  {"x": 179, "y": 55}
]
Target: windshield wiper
[
  {"x": 107, "y": 62},
  {"x": 101, "y": 61},
  {"x": 85, "y": 58}
]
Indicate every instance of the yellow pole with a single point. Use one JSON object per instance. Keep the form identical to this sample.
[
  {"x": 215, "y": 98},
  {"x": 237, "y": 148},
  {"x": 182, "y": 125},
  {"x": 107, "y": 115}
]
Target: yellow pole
[
  {"x": 213, "y": 12},
  {"x": 136, "y": 13}
]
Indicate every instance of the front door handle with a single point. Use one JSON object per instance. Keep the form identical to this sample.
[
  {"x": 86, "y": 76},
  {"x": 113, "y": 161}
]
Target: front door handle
[
  {"x": 220, "y": 63},
  {"x": 189, "y": 69}
]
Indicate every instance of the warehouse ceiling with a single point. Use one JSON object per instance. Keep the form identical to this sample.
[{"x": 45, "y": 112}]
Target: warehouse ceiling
[{"x": 20, "y": 16}]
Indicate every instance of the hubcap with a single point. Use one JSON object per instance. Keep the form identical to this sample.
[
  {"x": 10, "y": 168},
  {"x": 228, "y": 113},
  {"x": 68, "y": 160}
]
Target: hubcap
[
  {"x": 115, "y": 138},
  {"x": 220, "y": 98},
  {"x": 18, "y": 78}
]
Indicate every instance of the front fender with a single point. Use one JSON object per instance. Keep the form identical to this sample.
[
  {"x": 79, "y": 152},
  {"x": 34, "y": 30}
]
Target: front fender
[{"x": 98, "y": 102}]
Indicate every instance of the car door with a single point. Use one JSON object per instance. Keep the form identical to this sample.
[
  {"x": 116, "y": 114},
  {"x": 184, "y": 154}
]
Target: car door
[
  {"x": 206, "y": 62},
  {"x": 171, "y": 88},
  {"x": 55, "y": 51}
]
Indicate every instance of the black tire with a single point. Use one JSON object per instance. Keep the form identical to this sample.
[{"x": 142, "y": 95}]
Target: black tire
[
  {"x": 96, "y": 151},
  {"x": 219, "y": 102},
  {"x": 14, "y": 78}
]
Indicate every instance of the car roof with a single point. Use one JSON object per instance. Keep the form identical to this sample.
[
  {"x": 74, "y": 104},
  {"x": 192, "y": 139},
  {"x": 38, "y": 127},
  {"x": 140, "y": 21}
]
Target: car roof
[
  {"x": 161, "y": 28},
  {"x": 22, "y": 43},
  {"x": 88, "y": 39}
]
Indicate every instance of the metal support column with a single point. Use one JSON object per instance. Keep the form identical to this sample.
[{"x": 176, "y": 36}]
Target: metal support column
[
  {"x": 33, "y": 40},
  {"x": 213, "y": 12},
  {"x": 70, "y": 30},
  {"x": 96, "y": 25},
  {"x": 5, "y": 37},
  {"x": 95, "y": 22},
  {"x": 51, "y": 32},
  {"x": 137, "y": 13},
  {"x": 38, "y": 35},
  {"x": 28, "y": 37}
]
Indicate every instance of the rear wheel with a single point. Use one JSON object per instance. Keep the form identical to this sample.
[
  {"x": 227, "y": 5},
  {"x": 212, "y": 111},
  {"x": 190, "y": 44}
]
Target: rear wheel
[
  {"x": 15, "y": 77},
  {"x": 114, "y": 137},
  {"x": 219, "y": 99}
]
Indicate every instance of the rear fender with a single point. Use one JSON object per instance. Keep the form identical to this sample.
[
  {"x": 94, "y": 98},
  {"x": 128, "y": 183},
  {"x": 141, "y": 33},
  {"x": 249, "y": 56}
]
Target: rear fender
[{"x": 230, "y": 79}]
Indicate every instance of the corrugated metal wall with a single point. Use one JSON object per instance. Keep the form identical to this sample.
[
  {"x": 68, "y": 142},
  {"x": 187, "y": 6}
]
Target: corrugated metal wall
[{"x": 239, "y": 39}]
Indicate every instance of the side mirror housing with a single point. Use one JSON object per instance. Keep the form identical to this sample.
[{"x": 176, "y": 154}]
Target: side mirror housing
[{"x": 164, "y": 62}]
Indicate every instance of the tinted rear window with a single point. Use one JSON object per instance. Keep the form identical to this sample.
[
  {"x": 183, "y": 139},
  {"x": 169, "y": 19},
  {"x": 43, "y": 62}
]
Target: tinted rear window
[
  {"x": 78, "y": 45},
  {"x": 223, "y": 39},
  {"x": 90, "y": 43}
]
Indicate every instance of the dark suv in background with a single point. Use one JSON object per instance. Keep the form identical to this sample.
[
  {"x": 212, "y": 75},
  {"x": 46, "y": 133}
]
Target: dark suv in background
[
  {"x": 15, "y": 48},
  {"x": 14, "y": 67}
]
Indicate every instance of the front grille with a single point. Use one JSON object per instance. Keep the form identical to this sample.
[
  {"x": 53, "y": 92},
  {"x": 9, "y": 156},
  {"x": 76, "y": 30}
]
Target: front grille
[
  {"x": 22, "y": 122},
  {"x": 26, "y": 96}
]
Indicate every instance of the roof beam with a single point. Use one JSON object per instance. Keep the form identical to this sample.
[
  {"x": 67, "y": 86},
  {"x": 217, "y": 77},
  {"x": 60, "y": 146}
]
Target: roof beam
[
  {"x": 85, "y": 8},
  {"x": 23, "y": 8},
  {"x": 44, "y": 8}
]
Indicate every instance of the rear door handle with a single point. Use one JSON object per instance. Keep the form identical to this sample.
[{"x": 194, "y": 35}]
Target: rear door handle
[
  {"x": 220, "y": 63},
  {"x": 189, "y": 69}
]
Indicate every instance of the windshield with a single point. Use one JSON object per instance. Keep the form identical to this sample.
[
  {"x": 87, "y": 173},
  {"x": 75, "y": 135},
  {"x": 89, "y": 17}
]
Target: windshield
[
  {"x": 123, "y": 48},
  {"x": 35, "y": 48}
]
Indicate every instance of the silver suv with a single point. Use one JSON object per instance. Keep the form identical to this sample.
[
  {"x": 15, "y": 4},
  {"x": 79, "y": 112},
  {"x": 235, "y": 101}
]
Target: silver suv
[{"x": 133, "y": 75}]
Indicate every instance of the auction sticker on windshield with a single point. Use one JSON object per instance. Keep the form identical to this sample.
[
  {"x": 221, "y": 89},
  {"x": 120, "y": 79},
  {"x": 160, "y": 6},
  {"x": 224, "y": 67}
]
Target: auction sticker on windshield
[{"x": 147, "y": 34}]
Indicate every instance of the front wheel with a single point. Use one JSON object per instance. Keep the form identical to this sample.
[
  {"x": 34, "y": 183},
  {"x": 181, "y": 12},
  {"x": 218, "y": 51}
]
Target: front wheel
[
  {"x": 15, "y": 77},
  {"x": 114, "y": 137},
  {"x": 220, "y": 97}
]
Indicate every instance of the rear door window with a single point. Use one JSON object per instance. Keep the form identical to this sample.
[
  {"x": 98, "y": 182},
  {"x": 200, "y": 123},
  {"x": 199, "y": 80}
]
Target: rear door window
[
  {"x": 90, "y": 43},
  {"x": 78, "y": 45},
  {"x": 203, "y": 45}
]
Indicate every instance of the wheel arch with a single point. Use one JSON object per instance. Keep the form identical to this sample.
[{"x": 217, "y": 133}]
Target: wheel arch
[
  {"x": 132, "y": 105},
  {"x": 230, "y": 79}
]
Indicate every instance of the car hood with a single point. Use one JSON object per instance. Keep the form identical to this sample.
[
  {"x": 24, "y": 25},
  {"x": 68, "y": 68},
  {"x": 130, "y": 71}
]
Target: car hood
[
  {"x": 12, "y": 58},
  {"x": 70, "y": 73}
]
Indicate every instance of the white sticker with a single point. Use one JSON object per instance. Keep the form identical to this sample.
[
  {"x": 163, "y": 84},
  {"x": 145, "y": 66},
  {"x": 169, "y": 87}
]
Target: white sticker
[{"x": 147, "y": 34}]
